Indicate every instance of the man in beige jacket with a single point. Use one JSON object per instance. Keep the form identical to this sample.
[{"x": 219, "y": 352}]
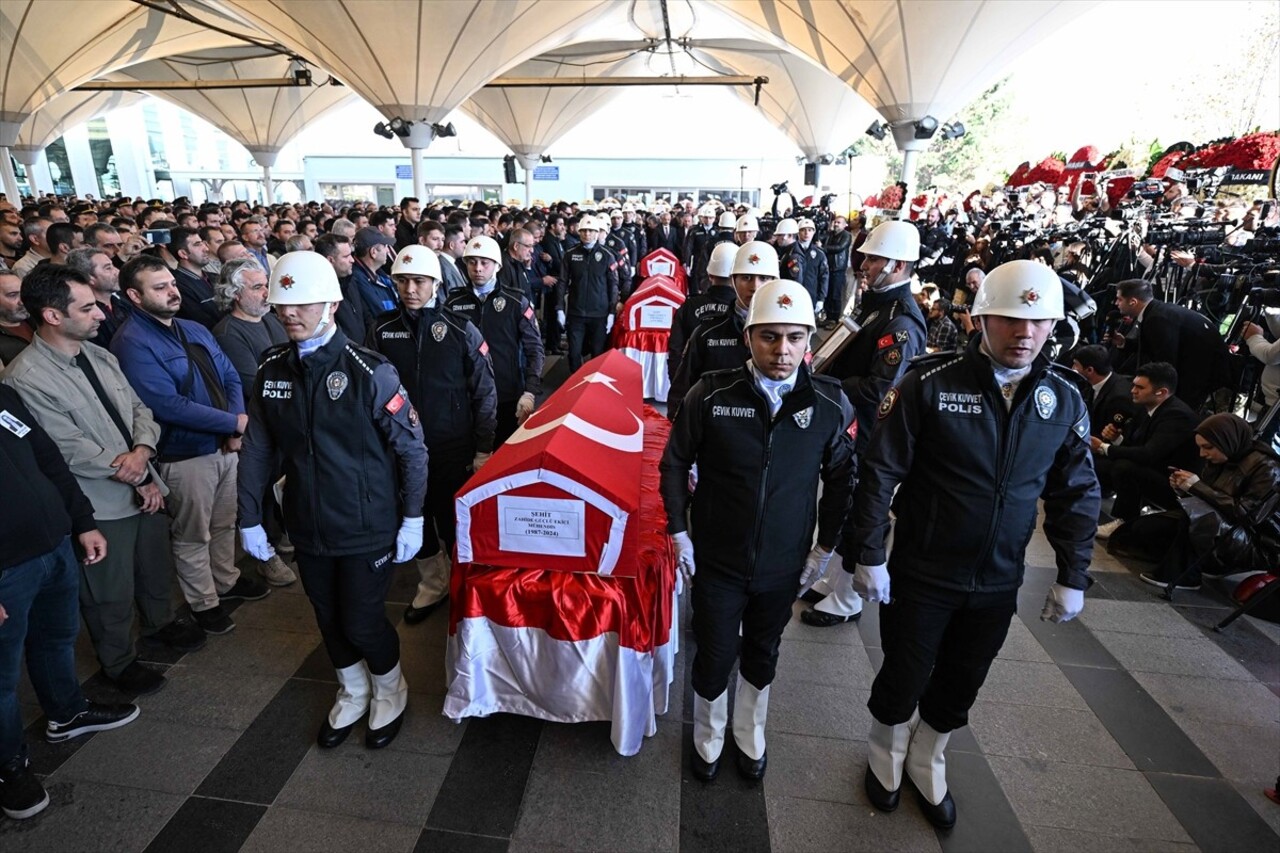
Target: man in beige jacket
[{"x": 81, "y": 398}]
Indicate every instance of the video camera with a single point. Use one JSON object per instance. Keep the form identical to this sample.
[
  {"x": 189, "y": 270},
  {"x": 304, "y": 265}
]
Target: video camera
[{"x": 1187, "y": 234}]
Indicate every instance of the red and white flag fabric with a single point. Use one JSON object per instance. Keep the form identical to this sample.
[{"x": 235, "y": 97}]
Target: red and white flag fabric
[
  {"x": 558, "y": 641},
  {"x": 664, "y": 262},
  {"x": 559, "y": 492},
  {"x": 643, "y": 330}
]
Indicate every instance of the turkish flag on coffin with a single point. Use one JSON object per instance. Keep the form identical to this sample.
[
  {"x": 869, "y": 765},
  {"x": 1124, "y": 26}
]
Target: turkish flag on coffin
[
  {"x": 559, "y": 493},
  {"x": 664, "y": 262},
  {"x": 643, "y": 331}
]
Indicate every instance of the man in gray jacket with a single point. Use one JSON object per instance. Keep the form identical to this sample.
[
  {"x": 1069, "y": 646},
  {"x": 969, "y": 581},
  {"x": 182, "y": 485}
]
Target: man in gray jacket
[{"x": 82, "y": 400}]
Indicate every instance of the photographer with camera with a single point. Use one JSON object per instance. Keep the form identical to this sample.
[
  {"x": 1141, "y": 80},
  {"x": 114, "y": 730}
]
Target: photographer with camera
[{"x": 838, "y": 245}]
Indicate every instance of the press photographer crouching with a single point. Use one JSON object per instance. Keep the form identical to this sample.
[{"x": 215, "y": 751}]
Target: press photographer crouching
[{"x": 1227, "y": 520}]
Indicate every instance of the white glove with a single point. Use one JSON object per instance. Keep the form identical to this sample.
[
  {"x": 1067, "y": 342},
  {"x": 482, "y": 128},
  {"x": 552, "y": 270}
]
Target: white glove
[
  {"x": 608, "y": 324},
  {"x": 478, "y": 462},
  {"x": 693, "y": 478},
  {"x": 409, "y": 539},
  {"x": 872, "y": 582},
  {"x": 817, "y": 308},
  {"x": 560, "y": 318},
  {"x": 815, "y": 566},
  {"x": 1062, "y": 604},
  {"x": 525, "y": 406},
  {"x": 255, "y": 544},
  {"x": 684, "y": 555}
]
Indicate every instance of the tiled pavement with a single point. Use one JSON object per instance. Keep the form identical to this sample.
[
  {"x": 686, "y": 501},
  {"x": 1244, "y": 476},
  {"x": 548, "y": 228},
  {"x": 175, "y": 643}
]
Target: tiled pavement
[{"x": 1136, "y": 728}]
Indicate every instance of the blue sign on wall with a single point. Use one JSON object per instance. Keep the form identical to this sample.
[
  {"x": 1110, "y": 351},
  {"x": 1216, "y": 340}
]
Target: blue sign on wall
[
  {"x": 546, "y": 173},
  {"x": 404, "y": 173}
]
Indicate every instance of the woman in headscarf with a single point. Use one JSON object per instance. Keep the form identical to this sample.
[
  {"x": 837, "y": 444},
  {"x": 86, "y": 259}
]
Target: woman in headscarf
[{"x": 1229, "y": 521}]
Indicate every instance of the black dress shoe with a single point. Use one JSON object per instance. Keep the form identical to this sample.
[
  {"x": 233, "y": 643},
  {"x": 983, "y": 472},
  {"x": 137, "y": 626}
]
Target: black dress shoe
[
  {"x": 752, "y": 768},
  {"x": 705, "y": 771},
  {"x": 943, "y": 815},
  {"x": 137, "y": 679},
  {"x": 329, "y": 737},
  {"x": 880, "y": 796},
  {"x": 378, "y": 738},
  {"x": 414, "y": 615},
  {"x": 819, "y": 619}
]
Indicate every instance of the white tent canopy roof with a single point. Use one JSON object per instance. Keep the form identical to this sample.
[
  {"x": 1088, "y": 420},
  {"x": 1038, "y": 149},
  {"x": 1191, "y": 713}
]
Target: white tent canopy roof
[
  {"x": 909, "y": 58},
  {"x": 419, "y": 60},
  {"x": 263, "y": 120},
  {"x": 50, "y": 47},
  {"x": 65, "y": 112}
]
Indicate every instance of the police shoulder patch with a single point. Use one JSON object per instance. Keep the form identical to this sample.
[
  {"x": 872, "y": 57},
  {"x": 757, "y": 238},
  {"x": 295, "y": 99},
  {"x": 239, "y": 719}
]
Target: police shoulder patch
[
  {"x": 1046, "y": 402},
  {"x": 893, "y": 357},
  {"x": 886, "y": 405}
]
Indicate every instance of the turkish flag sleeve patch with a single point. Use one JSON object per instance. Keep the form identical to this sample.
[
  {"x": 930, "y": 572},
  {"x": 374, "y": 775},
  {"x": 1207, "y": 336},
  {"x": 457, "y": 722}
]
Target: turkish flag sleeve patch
[
  {"x": 886, "y": 341},
  {"x": 396, "y": 403},
  {"x": 484, "y": 347},
  {"x": 528, "y": 312}
]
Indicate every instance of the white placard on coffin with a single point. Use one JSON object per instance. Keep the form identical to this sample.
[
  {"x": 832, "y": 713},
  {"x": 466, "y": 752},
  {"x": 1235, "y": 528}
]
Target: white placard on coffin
[{"x": 559, "y": 493}]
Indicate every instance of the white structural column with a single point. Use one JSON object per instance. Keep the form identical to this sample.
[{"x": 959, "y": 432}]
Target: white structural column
[
  {"x": 266, "y": 158},
  {"x": 126, "y": 130},
  {"x": 37, "y": 165},
  {"x": 9, "y": 138},
  {"x": 84, "y": 175},
  {"x": 904, "y": 134},
  {"x": 528, "y": 162},
  {"x": 420, "y": 136}
]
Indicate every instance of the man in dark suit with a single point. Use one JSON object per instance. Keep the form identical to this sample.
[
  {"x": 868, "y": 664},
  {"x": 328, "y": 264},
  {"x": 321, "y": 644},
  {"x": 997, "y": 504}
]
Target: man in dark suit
[
  {"x": 665, "y": 235},
  {"x": 1170, "y": 333},
  {"x": 1110, "y": 402},
  {"x": 1135, "y": 461}
]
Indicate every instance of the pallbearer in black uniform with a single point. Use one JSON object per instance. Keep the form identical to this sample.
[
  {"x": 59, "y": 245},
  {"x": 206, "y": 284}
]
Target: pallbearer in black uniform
[
  {"x": 350, "y": 444},
  {"x": 762, "y": 434},
  {"x": 500, "y": 308},
  {"x": 967, "y": 445},
  {"x": 444, "y": 363}
]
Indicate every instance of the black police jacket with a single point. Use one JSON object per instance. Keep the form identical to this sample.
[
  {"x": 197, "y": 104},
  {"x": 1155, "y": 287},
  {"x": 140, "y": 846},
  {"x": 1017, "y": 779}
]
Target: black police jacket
[
  {"x": 697, "y": 309},
  {"x": 350, "y": 442},
  {"x": 893, "y": 332},
  {"x": 837, "y": 247},
  {"x": 716, "y": 345},
  {"x": 588, "y": 283},
  {"x": 755, "y": 507},
  {"x": 444, "y": 363},
  {"x": 969, "y": 474},
  {"x": 815, "y": 272},
  {"x": 507, "y": 321},
  {"x": 698, "y": 277},
  {"x": 792, "y": 263}
]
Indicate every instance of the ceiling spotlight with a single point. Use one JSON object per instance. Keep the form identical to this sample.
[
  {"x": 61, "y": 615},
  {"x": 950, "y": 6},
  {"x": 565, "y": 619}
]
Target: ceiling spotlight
[
  {"x": 842, "y": 160},
  {"x": 546, "y": 158},
  {"x": 381, "y": 129},
  {"x": 399, "y": 126},
  {"x": 953, "y": 130},
  {"x": 878, "y": 130},
  {"x": 926, "y": 127},
  {"x": 826, "y": 159},
  {"x": 800, "y": 161},
  {"x": 302, "y": 77},
  {"x": 444, "y": 131}
]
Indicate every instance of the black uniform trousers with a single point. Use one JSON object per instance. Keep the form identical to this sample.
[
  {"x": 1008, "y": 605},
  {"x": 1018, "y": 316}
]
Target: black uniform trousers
[
  {"x": 349, "y": 595},
  {"x": 586, "y": 339},
  {"x": 722, "y": 603},
  {"x": 506, "y": 422},
  {"x": 446, "y": 473},
  {"x": 938, "y": 647}
]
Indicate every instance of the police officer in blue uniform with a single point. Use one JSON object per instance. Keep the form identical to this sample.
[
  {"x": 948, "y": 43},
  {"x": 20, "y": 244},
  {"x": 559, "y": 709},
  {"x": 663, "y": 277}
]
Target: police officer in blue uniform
[
  {"x": 761, "y": 434},
  {"x": 587, "y": 293},
  {"x": 892, "y": 333},
  {"x": 506, "y": 319},
  {"x": 444, "y": 363},
  {"x": 335, "y": 417},
  {"x": 718, "y": 344},
  {"x": 699, "y": 308},
  {"x": 967, "y": 445}
]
